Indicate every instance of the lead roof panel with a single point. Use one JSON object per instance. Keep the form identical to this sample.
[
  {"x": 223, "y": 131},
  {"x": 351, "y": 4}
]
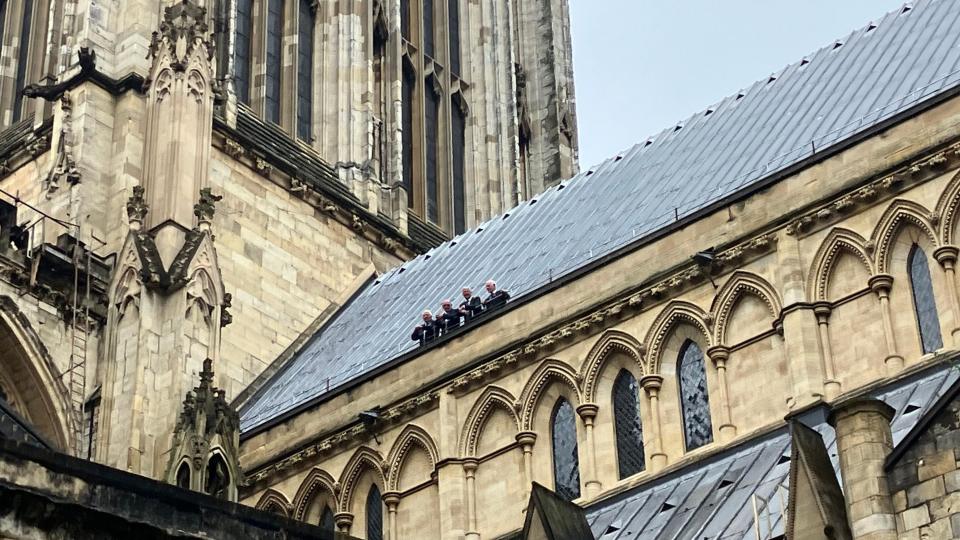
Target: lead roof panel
[
  {"x": 755, "y": 468},
  {"x": 907, "y": 59}
]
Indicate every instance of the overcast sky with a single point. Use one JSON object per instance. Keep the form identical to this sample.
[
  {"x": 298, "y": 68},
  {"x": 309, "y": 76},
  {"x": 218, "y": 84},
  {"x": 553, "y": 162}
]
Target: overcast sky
[{"x": 642, "y": 65}]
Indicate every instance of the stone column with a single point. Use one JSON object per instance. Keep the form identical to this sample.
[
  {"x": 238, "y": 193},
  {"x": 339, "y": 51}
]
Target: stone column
[
  {"x": 588, "y": 412},
  {"x": 651, "y": 384},
  {"x": 469, "y": 472},
  {"x": 719, "y": 355},
  {"x": 947, "y": 257},
  {"x": 392, "y": 500},
  {"x": 526, "y": 440},
  {"x": 344, "y": 521},
  {"x": 880, "y": 284},
  {"x": 831, "y": 386},
  {"x": 863, "y": 443},
  {"x": 800, "y": 338}
]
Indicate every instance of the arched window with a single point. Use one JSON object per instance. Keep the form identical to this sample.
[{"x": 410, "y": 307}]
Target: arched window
[
  {"x": 274, "y": 61},
  {"x": 923, "y": 303},
  {"x": 694, "y": 400},
  {"x": 327, "y": 521},
  {"x": 374, "y": 514},
  {"x": 183, "y": 476},
  {"x": 217, "y": 482},
  {"x": 432, "y": 120},
  {"x": 23, "y": 57},
  {"x": 241, "y": 50},
  {"x": 629, "y": 428},
  {"x": 409, "y": 86},
  {"x": 459, "y": 120},
  {"x": 566, "y": 462},
  {"x": 305, "y": 24}
]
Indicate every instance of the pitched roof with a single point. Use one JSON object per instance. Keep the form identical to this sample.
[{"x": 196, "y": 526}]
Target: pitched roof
[
  {"x": 713, "y": 497},
  {"x": 860, "y": 84}
]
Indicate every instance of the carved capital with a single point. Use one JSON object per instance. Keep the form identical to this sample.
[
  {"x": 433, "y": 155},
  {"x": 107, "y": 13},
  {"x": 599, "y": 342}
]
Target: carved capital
[
  {"x": 136, "y": 208},
  {"x": 470, "y": 465},
  {"x": 391, "y": 499},
  {"x": 946, "y": 255},
  {"x": 588, "y": 411},
  {"x": 344, "y": 520},
  {"x": 822, "y": 310},
  {"x": 526, "y": 438},
  {"x": 718, "y": 355},
  {"x": 881, "y": 283},
  {"x": 651, "y": 383}
]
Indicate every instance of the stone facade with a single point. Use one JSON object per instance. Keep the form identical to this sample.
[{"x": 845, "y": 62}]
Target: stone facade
[
  {"x": 924, "y": 478},
  {"x": 799, "y": 268}
]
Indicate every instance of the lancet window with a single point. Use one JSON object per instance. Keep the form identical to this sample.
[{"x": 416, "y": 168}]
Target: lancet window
[
  {"x": 627, "y": 423},
  {"x": 694, "y": 398},
  {"x": 566, "y": 463},
  {"x": 928, "y": 322},
  {"x": 434, "y": 116}
]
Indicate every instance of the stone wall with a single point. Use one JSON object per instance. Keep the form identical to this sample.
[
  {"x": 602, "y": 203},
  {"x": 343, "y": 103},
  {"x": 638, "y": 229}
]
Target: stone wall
[
  {"x": 925, "y": 481},
  {"x": 794, "y": 282}
]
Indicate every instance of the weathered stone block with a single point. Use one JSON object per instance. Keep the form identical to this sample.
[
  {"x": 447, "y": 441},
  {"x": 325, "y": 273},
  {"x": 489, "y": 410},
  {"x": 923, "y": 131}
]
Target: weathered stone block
[
  {"x": 925, "y": 491},
  {"x": 915, "y": 518},
  {"x": 935, "y": 464}
]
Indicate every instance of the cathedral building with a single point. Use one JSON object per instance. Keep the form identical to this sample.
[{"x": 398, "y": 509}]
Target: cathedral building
[{"x": 221, "y": 220}]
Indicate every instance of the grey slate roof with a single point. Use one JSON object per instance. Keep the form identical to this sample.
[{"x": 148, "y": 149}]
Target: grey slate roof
[
  {"x": 862, "y": 82},
  {"x": 714, "y": 497}
]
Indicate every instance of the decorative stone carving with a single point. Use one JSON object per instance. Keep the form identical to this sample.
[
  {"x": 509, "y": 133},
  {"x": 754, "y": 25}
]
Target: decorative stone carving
[{"x": 206, "y": 441}]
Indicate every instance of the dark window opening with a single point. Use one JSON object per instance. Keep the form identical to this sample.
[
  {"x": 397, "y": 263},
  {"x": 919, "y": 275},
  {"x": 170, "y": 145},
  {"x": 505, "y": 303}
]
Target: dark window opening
[
  {"x": 459, "y": 118},
  {"x": 409, "y": 83},
  {"x": 432, "y": 121},
  {"x": 183, "y": 476},
  {"x": 380, "y": 102},
  {"x": 928, "y": 322},
  {"x": 694, "y": 399},
  {"x": 628, "y": 426},
  {"x": 304, "y": 70},
  {"x": 273, "y": 60},
  {"x": 23, "y": 58},
  {"x": 218, "y": 478},
  {"x": 241, "y": 50},
  {"x": 566, "y": 462},
  {"x": 374, "y": 514},
  {"x": 327, "y": 521},
  {"x": 91, "y": 424},
  {"x": 405, "y": 19},
  {"x": 221, "y": 26},
  {"x": 428, "y": 30},
  {"x": 454, "y": 24}
]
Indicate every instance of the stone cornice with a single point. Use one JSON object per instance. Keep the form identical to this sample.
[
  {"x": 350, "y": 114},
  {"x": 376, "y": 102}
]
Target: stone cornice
[
  {"x": 264, "y": 165},
  {"x": 657, "y": 291},
  {"x": 876, "y": 190},
  {"x": 349, "y": 436}
]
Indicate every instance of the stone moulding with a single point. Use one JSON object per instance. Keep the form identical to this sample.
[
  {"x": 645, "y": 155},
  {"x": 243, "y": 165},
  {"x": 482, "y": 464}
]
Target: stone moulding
[
  {"x": 917, "y": 171},
  {"x": 267, "y": 167},
  {"x": 648, "y": 295}
]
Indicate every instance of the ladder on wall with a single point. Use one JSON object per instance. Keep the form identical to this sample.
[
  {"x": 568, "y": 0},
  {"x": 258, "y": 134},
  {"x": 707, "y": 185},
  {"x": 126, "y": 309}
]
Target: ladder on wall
[{"x": 79, "y": 335}]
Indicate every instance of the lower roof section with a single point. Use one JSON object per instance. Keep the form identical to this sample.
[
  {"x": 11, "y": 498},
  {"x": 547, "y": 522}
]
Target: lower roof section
[{"x": 715, "y": 497}]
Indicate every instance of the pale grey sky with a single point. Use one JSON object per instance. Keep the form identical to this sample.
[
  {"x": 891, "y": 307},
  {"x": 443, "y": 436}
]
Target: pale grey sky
[{"x": 642, "y": 65}]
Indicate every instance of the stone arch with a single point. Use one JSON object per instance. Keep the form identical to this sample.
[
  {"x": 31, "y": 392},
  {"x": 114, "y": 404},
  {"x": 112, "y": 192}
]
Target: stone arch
[
  {"x": 492, "y": 397},
  {"x": 741, "y": 283},
  {"x": 611, "y": 341},
  {"x": 549, "y": 371},
  {"x": 899, "y": 214},
  {"x": 838, "y": 241},
  {"x": 412, "y": 435},
  {"x": 946, "y": 209},
  {"x": 363, "y": 460},
  {"x": 274, "y": 502},
  {"x": 33, "y": 377},
  {"x": 676, "y": 313},
  {"x": 318, "y": 480}
]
